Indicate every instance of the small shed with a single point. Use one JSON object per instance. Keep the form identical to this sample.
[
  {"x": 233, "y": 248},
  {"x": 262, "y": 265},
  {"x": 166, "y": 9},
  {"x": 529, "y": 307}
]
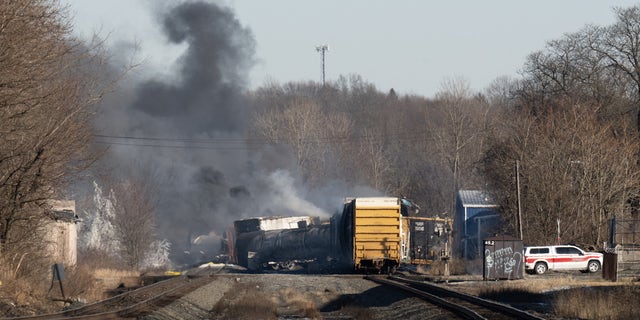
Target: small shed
[
  {"x": 62, "y": 232},
  {"x": 502, "y": 258},
  {"x": 476, "y": 217}
]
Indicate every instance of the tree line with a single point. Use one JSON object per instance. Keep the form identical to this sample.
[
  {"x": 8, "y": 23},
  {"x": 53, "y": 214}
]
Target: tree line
[{"x": 570, "y": 122}]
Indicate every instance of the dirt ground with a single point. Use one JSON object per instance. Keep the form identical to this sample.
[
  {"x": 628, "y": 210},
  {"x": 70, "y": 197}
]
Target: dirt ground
[
  {"x": 282, "y": 296},
  {"x": 299, "y": 296},
  {"x": 294, "y": 296}
]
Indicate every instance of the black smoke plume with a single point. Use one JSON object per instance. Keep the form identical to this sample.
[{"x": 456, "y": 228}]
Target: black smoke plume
[{"x": 189, "y": 129}]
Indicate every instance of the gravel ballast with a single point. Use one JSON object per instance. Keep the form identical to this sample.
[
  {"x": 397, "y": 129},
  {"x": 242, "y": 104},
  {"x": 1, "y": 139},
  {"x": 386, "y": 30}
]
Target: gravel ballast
[{"x": 293, "y": 296}]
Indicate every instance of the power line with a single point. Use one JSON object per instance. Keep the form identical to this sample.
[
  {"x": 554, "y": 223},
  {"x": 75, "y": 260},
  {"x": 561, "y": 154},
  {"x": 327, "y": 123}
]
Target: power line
[
  {"x": 220, "y": 148},
  {"x": 255, "y": 143},
  {"x": 269, "y": 140}
]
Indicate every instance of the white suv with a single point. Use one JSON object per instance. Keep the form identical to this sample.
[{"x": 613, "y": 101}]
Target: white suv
[{"x": 564, "y": 257}]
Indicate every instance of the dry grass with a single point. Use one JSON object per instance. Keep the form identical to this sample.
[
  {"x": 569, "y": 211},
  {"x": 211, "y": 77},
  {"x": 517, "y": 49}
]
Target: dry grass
[
  {"x": 298, "y": 303},
  {"x": 89, "y": 285},
  {"x": 543, "y": 285},
  {"x": 114, "y": 273},
  {"x": 569, "y": 297},
  {"x": 23, "y": 286},
  {"x": 245, "y": 301},
  {"x": 26, "y": 285},
  {"x": 618, "y": 302}
]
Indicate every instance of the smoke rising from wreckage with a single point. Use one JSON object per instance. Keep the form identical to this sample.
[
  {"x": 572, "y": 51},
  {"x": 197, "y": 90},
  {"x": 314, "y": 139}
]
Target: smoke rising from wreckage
[
  {"x": 167, "y": 124},
  {"x": 370, "y": 234},
  {"x": 203, "y": 187}
]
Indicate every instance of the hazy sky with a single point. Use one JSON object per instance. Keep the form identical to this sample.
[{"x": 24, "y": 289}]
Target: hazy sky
[{"x": 411, "y": 46}]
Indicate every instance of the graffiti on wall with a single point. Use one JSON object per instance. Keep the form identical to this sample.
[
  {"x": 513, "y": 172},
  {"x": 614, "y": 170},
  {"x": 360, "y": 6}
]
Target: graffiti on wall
[{"x": 502, "y": 263}]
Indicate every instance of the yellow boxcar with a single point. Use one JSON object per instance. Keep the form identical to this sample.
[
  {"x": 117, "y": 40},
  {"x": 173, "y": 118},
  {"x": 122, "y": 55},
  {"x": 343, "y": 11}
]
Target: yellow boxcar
[{"x": 379, "y": 241}]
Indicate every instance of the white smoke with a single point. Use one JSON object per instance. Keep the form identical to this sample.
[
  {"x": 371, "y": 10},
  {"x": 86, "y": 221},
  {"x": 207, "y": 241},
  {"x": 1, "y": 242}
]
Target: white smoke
[{"x": 287, "y": 198}]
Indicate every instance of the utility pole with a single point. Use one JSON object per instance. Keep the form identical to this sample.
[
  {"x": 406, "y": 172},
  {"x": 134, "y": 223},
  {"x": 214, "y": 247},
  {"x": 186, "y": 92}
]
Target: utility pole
[
  {"x": 323, "y": 48},
  {"x": 519, "y": 204}
]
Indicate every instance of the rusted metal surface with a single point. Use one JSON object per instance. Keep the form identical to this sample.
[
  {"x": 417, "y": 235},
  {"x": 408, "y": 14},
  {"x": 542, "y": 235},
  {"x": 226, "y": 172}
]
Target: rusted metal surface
[{"x": 610, "y": 266}]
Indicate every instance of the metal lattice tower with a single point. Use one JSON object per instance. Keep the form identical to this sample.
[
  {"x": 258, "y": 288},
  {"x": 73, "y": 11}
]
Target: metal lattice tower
[{"x": 322, "y": 49}]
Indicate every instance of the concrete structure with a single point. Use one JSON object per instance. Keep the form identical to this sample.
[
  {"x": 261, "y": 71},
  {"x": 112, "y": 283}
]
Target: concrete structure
[{"x": 62, "y": 232}]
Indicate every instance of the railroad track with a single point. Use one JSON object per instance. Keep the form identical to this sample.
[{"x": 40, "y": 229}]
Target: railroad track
[
  {"x": 134, "y": 303},
  {"x": 464, "y": 305}
]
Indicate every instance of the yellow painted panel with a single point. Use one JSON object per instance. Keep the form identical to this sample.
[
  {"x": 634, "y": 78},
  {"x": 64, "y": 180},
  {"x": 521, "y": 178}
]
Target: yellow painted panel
[
  {"x": 378, "y": 250},
  {"x": 387, "y": 254},
  {"x": 376, "y": 246},
  {"x": 368, "y": 212},
  {"x": 377, "y": 233},
  {"x": 379, "y": 209},
  {"x": 367, "y": 242},
  {"x": 377, "y": 213},
  {"x": 378, "y": 238},
  {"x": 388, "y": 241},
  {"x": 378, "y": 229},
  {"x": 373, "y": 257},
  {"x": 381, "y": 218},
  {"x": 377, "y": 222}
]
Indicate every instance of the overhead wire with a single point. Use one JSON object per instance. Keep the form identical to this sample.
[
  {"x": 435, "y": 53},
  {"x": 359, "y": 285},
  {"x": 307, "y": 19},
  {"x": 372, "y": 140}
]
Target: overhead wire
[{"x": 232, "y": 143}]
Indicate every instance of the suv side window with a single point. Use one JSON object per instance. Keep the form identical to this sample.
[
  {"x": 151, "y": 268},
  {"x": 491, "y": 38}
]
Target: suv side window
[
  {"x": 539, "y": 251},
  {"x": 567, "y": 250}
]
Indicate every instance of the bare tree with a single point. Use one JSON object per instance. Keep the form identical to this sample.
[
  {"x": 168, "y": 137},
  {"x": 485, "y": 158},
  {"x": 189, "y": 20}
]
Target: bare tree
[
  {"x": 310, "y": 131},
  {"x": 620, "y": 44},
  {"x": 575, "y": 67},
  {"x": 44, "y": 98},
  {"x": 574, "y": 169},
  {"x": 134, "y": 220},
  {"x": 458, "y": 136},
  {"x": 358, "y": 135}
]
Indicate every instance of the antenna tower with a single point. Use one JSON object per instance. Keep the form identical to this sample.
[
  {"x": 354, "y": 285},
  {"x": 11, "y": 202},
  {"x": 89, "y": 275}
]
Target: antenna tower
[{"x": 323, "y": 48}]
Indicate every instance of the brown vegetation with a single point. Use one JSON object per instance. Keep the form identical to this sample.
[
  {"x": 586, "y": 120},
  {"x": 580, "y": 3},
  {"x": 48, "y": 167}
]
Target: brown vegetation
[
  {"x": 566, "y": 297},
  {"x": 571, "y": 123},
  {"x": 46, "y": 94},
  {"x": 619, "y": 302},
  {"x": 46, "y": 128},
  {"x": 134, "y": 220},
  {"x": 245, "y": 302}
]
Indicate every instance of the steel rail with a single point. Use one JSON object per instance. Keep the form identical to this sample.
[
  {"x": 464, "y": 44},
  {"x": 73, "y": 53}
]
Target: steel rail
[
  {"x": 492, "y": 305},
  {"x": 118, "y": 307},
  {"x": 461, "y": 311}
]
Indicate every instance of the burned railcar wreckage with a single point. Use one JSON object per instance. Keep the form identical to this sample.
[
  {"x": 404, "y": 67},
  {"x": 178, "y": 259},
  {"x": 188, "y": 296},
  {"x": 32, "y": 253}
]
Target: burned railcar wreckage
[
  {"x": 370, "y": 234},
  {"x": 302, "y": 247}
]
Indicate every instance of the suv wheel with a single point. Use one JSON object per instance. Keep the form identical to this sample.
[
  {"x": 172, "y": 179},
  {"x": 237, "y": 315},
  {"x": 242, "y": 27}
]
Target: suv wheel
[
  {"x": 593, "y": 266},
  {"x": 540, "y": 268}
]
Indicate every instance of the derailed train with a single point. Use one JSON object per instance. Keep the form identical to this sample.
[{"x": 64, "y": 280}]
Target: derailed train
[{"x": 370, "y": 234}]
